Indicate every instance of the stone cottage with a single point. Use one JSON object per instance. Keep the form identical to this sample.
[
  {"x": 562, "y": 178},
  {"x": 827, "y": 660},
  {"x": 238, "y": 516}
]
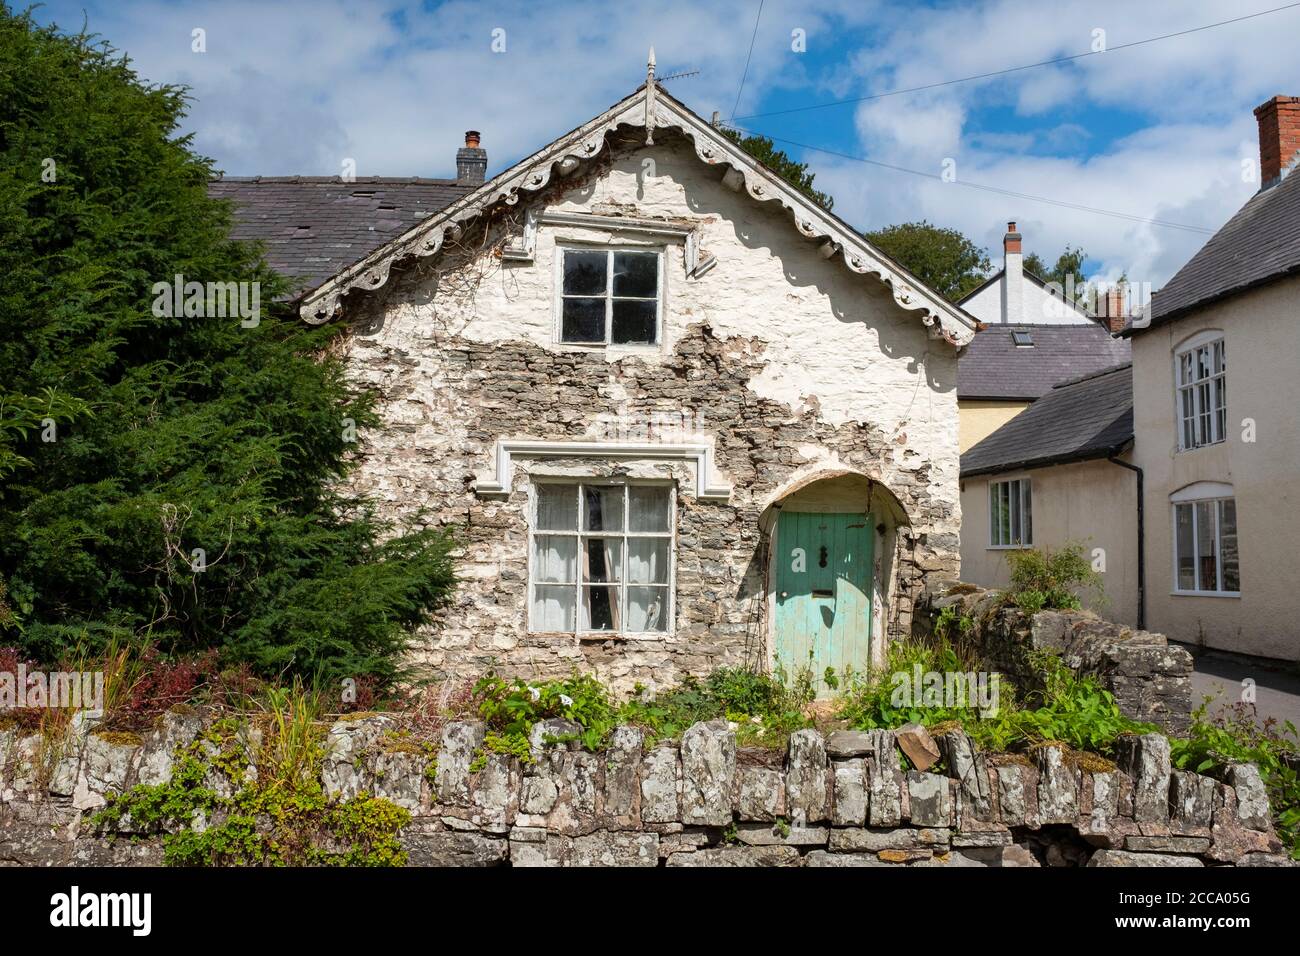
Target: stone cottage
[{"x": 679, "y": 415}]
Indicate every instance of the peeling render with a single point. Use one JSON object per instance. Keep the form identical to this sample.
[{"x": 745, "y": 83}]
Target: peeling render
[{"x": 792, "y": 368}]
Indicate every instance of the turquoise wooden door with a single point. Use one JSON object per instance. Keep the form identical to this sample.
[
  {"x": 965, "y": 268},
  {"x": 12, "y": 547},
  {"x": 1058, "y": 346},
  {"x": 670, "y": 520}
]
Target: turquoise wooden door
[{"x": 823, "y": 593}]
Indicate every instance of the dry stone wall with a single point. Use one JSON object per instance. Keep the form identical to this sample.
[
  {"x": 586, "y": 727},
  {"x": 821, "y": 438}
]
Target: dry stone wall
[
  {"x": 845, "y": 799},
  {"x": 1150, "y": 678}
]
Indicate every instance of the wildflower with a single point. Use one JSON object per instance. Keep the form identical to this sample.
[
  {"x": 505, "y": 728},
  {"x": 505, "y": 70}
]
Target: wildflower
[
  {"x": 566, "y": 700},
  {"x": 535, "y": 694}
]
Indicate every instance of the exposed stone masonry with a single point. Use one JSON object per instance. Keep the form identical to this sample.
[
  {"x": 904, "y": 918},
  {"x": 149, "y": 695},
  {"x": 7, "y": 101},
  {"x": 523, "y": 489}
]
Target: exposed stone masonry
[{"x": 447, "y": 405}]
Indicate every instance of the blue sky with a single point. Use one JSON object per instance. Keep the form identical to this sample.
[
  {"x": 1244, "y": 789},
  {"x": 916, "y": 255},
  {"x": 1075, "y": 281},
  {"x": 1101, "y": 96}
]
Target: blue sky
[{"x": 1157, "y": 131}]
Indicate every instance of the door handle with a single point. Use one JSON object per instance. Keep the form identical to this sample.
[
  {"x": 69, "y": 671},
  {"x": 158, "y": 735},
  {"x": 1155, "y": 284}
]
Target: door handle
[{"x": 819, "y": 592}]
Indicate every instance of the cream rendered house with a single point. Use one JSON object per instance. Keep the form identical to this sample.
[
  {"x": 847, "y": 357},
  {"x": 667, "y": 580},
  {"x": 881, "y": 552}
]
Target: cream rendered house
[
  {"x": 1217, "y": 421},
  {"x": 1060, "y": 472}
]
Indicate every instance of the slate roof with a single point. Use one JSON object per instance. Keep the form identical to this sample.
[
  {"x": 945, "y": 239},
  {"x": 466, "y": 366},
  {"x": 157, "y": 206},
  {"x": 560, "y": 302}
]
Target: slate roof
[
  {"x": 316, "y": 226},
  {"x": 1088, "y": 417},
  {"x": 993, "y": 367},
  {"x": 1257, "y": 245}
]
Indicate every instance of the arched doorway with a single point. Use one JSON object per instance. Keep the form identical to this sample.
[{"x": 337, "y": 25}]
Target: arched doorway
[{"x": 830, "y": 574}]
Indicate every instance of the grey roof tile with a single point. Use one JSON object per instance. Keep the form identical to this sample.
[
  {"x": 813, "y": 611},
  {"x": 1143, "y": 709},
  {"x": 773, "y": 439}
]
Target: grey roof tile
[
  {"x": 994, "y": 367},
  {"x": 1090, "y": 417},
  {"x": 313, "y": 227},
  {"x": 1258, "y": 244}
]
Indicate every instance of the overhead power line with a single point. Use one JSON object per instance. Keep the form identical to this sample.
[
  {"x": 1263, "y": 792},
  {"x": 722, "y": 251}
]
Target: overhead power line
[
  {"x": 1003, "y": 72},
  {"x": 748, "y": 56},
  {"x": 1115, "y": 214}
]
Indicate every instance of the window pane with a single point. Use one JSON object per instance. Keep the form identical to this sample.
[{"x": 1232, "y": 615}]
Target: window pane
[
  {"x": 1219, "y": 363},
  {"x": 1026, "y": 517},
  {"x": 647, "y": 609},
  {"x": 1206, "y": 558},
  {"x": 602, "y": 508},
  {"x": 636, "y": 274},
  {"x": 555, "y": 559},
  {"x": 1203, "y": 412},
  {"x": 1202, "y": 362},
  {"x": 648, "y": 508},
  {"x": 1185, "y": 369},
  {"x": 1014, "y": 492},
  {"x": 1220, "y": 409},
  {"x": 557, "y": 507},
  {"x": 993, "y": 515},
  {"x": 634, "y": 321},
  {"x": 1228, "y": 545},
  {"x": 583, "y": 320},
  {"x": 600, "y": 610},
  {"x": 602, "y": 559},
  {"x": 1004, "y": 495},
  {"x": 1186, "y": 551},
  {"x": 1189, "y": 419},
  {"x": 584, "y": 273},
  {"x": 553, "y": 607},
  {"x": 647, "y": 560}
]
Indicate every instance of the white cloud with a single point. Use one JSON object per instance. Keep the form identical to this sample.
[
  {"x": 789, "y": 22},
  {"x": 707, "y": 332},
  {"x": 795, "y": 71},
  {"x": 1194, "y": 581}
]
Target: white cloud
[{"x": 298, "y": 86}]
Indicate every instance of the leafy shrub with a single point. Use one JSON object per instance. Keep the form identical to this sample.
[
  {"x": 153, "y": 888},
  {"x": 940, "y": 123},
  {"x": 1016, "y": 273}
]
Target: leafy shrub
[
  {"x": 1232, "y": 735},
  {"x": 1046, "y": 579},
  {"x": 764, "y": 709},
  {"x": 869, "y": 701},
  {"x": 175, "y": 433}
]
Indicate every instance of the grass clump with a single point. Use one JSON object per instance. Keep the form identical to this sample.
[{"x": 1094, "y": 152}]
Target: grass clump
[
  {"x": 1051, "y": 580},
  {"x": 248, "y": 792}
]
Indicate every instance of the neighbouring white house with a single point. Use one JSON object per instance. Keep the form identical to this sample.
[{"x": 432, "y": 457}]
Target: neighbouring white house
[
  {"x": 679, "y": 415},
  {"x": 1217, "y": 420},
  {"x": 1014, "y": 296},
  {"x": 1031, "y": 338}
]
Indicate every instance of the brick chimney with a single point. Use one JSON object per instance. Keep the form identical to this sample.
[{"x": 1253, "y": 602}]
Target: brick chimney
[
  {"x": 471, "y": 161},
  {"x": 1013, "y": 284},
  {"x": 1112, "y": 309},
  {"x": 1279, "y": 137}
]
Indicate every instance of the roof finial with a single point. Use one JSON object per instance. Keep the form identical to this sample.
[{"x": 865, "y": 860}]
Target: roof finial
[{"x": 650, "y": 99}]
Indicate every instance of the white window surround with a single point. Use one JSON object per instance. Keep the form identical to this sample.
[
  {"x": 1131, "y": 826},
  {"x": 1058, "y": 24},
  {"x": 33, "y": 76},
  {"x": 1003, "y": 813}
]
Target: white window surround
[
  {"x": 566, "y": 246},
  {"x": 1200, "y": 386},
  {"x": 619, "y": 547},
  {"x": 1019, "y": 501},
  {"x": 708, "y": 486},
  {"x": 696, "y": 260},
  {"x": 1212, "y": 495}
]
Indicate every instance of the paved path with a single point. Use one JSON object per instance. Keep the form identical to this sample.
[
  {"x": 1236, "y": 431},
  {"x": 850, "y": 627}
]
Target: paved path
[{"x": 1277, "y": 692}]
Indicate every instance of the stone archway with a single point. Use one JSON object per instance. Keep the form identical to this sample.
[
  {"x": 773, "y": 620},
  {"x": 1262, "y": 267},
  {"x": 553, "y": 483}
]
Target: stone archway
[{"x": 831, "y": 577}]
